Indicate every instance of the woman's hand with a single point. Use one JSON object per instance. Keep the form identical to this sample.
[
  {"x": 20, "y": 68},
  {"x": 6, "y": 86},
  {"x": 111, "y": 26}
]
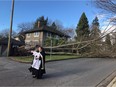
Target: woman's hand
[{"x": 32, "y": 51}]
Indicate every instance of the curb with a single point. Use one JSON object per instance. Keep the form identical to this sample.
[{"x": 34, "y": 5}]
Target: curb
[
  {"x": 105, "y": 82},
  {"x": 112, "y": 83}
]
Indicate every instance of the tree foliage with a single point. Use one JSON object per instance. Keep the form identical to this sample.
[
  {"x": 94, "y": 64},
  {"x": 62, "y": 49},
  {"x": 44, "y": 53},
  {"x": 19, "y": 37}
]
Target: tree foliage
[
  {"x": 95, "y": 31},
  {"x": 25, "y": 26},
  {"x": 69, "y": 31},
  {"x": 5, "y": 33},
  {"x": 59, "y": 25},
  {"x": 54, "y": 25},
  {"x": 82, "y": 28},
  {"x": 42, "y": 20},
  {"x": 108, "y": 40}
]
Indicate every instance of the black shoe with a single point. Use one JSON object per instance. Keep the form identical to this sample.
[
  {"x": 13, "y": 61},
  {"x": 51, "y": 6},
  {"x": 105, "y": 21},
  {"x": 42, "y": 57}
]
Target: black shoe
[
  {"x": 43, "y": 71},
  {"x": 30, "y": 69}
]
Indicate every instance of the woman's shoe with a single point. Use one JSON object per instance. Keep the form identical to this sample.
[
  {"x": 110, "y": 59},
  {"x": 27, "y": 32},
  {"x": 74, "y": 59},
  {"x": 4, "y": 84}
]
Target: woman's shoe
[{"x": 30, "y": 69}]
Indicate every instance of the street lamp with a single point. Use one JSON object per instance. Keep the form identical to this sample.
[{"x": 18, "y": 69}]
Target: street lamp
[{"x": 10, "y": 32}]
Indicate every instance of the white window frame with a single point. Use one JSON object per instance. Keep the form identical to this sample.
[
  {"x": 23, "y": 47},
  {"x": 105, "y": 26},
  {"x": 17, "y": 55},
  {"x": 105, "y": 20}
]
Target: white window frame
[
  {"x": 36, "y": 34},
  {"x": 28, "y": 35}
]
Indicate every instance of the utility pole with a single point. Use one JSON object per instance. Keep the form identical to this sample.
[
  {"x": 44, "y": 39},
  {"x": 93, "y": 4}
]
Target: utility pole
[{"x": 10, "y": 32}]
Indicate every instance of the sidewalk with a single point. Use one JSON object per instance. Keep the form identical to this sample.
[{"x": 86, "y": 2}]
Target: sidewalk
[
  {"x": 112, "y": 83},
  {"x": 109, "y": 81}
]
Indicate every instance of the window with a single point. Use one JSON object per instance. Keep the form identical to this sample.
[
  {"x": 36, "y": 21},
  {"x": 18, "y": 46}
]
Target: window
[
  {"x": 28, "y": 35},
  {"x": 36, "y": 34}
]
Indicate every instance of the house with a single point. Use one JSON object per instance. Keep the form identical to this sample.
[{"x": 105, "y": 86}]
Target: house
[
  {"x": 20, "y": 37},
  {"x": 40, "y": 34},
  {"x": 4, "y": 45}
]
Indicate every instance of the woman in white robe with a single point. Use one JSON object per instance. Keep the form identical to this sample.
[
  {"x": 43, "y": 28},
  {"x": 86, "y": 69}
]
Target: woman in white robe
[
  {"x": 36, "y": 62},
  {"x": 35, "y": 67}
]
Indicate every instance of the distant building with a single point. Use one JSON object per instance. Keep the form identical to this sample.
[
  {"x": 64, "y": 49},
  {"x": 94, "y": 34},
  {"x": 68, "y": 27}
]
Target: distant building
[
  {"x": 4, "y": 45},
  {"x": 20, "y": 37},
  {"x": 39, "y": 35}
]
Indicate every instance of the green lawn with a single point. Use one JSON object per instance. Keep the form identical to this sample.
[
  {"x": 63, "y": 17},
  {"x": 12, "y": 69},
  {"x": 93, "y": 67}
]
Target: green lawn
[{"x": 53, "y": 57}]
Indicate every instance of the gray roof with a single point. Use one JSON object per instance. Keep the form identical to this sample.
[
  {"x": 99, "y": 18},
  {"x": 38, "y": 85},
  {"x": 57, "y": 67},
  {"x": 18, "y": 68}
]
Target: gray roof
[
  {"x": 4, "y": 41},
  {"x": 47, "y": 29}
]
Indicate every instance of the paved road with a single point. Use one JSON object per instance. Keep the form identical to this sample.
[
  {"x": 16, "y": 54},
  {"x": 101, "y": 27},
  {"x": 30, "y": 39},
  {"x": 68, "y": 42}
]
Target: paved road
[{"x": 84, "y": 72}]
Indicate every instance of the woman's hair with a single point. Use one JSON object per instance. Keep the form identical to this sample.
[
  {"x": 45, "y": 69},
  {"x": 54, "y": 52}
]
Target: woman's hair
[
  {"x": 38, "y": 46},
  {"x": 42, "y": 48}
]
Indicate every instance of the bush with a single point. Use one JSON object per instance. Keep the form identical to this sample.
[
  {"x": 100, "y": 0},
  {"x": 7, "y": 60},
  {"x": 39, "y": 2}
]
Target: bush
[{"x": 23, "y": 52}]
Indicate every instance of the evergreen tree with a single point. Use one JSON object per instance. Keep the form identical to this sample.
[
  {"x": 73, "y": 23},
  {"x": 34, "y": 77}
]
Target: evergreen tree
[
  {"x": 36, "y": 23},
  {"x": 83, "y": 32},
  {"x": 108, "y": 40},
  {"x": 42, "y": 20},
  {"x": 95, "y": 32},
  {"x": 45, "y": 22},
  {"x": 54, "y": 25},
  {"x": 82, "y": 29}
]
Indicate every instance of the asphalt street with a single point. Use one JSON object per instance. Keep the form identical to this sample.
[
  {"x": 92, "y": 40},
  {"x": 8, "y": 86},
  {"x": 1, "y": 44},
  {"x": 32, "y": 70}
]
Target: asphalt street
[{"x": 83, "y": 72}]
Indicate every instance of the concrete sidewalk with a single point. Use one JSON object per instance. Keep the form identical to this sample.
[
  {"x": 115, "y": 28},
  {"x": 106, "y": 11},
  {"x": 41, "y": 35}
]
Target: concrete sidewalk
[
  {"x": 109, "y": 81},
  {"x": 112, "y": 83}
]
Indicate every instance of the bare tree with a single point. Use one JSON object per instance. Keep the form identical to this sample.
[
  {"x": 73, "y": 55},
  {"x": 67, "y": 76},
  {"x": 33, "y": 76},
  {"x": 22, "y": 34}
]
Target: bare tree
[
  {"x": 108, "y": 6},
  {"x": 69, "y": 31},
  {"x": 25, "y": 26},
  {"x": 5, "y": 32},
  {"x": 59, "y": 25}
]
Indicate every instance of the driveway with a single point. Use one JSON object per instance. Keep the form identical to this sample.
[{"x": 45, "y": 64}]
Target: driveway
[{"x": 83, "y": 72}]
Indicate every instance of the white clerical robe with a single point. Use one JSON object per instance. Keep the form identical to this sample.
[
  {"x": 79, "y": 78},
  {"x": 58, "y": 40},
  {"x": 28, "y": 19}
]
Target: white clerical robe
[{"x": 36, "y": 61}]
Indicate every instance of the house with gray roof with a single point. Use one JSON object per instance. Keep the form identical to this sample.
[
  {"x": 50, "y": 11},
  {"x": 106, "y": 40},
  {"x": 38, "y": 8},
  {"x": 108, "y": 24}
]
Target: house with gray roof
[
  {"x": 41, "y": 33},
  {"x": 14, "y": 45}
]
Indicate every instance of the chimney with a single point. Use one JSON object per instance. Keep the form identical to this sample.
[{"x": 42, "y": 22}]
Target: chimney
[{"x": 38, "y": 24}]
